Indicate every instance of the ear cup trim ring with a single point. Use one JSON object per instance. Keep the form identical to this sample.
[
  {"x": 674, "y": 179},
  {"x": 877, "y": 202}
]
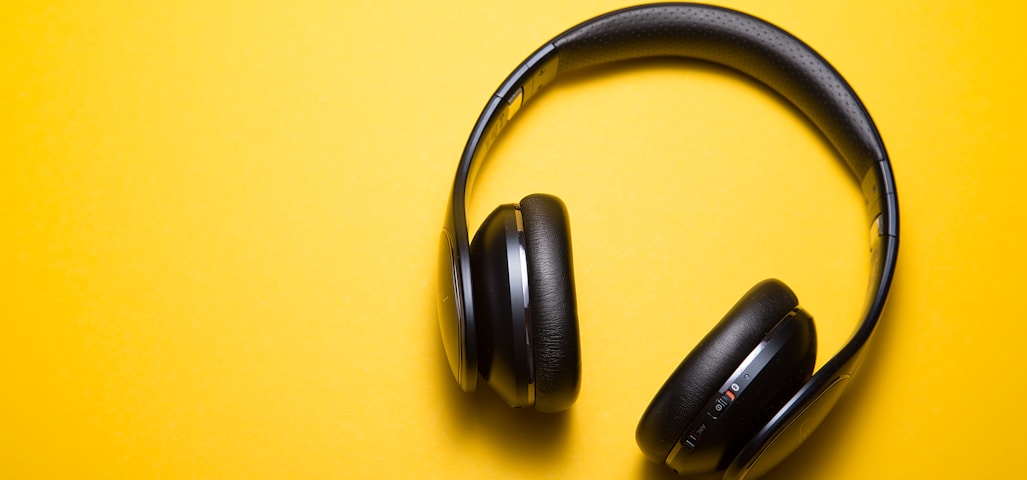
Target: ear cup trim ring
[{"x": 528, "y": 327}]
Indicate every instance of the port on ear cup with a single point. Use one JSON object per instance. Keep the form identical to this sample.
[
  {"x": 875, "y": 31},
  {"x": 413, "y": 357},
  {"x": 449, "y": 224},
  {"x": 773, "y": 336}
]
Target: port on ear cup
[
  {"x": 697, "y": 379},
  {"x": 554, "y": 313}
]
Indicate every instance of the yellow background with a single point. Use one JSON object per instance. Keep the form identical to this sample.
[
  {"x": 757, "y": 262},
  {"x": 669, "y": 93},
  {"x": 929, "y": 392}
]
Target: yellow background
[{"x": 219, "y": 225}]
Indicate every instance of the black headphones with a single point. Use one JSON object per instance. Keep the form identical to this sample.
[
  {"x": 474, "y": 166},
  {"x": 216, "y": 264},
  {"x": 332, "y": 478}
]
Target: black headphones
[{"x": 746, "y": 396}]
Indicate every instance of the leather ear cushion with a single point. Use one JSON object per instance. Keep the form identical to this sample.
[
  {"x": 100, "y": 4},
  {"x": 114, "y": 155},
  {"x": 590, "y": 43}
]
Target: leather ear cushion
[
  {"x": 709, "y": 365},
  {"x": 554, "y": 316}
]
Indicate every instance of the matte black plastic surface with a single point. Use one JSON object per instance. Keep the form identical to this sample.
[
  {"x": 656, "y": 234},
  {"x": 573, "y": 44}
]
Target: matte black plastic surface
[{"x": 794, "y": 434}]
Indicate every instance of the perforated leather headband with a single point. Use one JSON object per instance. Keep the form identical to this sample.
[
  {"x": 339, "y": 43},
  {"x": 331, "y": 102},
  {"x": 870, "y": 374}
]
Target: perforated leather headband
[{"x": 753, "y": 47}]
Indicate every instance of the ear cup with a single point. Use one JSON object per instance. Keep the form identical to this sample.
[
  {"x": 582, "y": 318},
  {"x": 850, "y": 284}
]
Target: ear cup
[
  {"x": 554, "y": 316},
  {"x": 708, "y": 366}
]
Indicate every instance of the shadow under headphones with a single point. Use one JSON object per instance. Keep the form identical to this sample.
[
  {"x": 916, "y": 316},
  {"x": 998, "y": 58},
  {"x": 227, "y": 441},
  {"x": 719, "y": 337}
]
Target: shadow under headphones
[{"x": 746, "y": 396}]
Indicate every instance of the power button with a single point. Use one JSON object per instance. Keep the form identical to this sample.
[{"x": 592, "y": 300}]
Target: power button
[{"x": 720, "y": 406}]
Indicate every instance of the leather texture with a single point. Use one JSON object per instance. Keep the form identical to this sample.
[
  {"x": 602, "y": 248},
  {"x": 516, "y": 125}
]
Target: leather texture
[
  {"x": 554, "y": 316},
  {"x": 710, "y": 364},
  {"x": 739, "y": 41}
]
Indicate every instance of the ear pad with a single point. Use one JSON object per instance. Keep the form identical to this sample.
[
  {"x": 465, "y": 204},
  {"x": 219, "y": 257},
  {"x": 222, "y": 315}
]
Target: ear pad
[
  {"x": 708, "y": 366},
  {"x": 554, "y": 315}
]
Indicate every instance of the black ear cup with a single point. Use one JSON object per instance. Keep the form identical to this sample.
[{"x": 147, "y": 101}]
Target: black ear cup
[
  {"x": 500, "y": 306},
  {"x": 554, "y": 315},
  {"x": 527, "y": 328},
  {"x": 689, "y": 397}
]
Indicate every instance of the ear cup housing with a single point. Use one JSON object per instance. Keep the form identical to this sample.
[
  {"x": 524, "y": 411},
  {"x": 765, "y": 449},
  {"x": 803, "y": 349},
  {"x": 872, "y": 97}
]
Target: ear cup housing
[
  {"x": 501, "y": 308},
  {"x": 686, "y": 394},
  {"x": 554, "y": 315},
  {"x": 527, "y": 326}
]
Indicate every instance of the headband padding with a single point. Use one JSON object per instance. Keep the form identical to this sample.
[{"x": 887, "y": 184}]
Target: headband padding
[
  {"x": 554, "y": 317},
  {"x": 709, "y": 365},
  {"x": 739, "y": 41}
]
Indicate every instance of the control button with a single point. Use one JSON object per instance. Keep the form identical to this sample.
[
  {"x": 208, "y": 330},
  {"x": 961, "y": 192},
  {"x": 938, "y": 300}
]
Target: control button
[
  {"x": 720, "y": 406},
  {"x": 692, "y": 440}
]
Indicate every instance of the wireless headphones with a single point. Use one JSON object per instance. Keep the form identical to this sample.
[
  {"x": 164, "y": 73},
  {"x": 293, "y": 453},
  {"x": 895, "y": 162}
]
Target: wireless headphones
[{"x": 746, "y": 396}]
